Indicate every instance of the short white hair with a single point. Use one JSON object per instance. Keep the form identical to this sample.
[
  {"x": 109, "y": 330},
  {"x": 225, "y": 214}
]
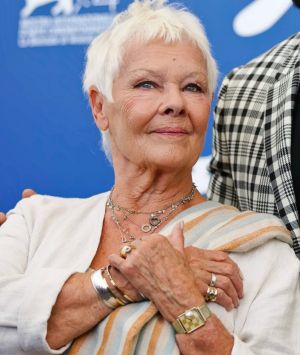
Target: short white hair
[{"x": 144, "y": 20}]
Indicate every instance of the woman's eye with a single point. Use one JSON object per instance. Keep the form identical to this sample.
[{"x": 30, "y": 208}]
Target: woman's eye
[
  {"x": 193, "y": 87},
  {"x": 146, "y": 85}
]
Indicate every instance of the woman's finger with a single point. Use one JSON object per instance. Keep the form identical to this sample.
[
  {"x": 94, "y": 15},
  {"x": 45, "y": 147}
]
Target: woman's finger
[
  {"x": 2, "y": 218},
  {"x": 205, "y": 254},
  {"x": 231, "y": 271},
  {"x": 229, "y": 299},
  {"x": 224, "y": 300},
  {"x": 123, "y": 284},
  {"x": 227, "y": 286},
  {"x": 218, "y": 263},
  {"x": 116, "y": 261},
  {"x": 28, "y": 193}
]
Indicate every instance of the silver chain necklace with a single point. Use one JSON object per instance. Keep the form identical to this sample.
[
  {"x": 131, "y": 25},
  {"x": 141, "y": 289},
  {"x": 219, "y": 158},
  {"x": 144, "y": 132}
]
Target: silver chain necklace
[{"x": 155, "y": 218}]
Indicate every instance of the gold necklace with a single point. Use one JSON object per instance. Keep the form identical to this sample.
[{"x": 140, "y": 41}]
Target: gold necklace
[{"x": 155, "y": 218}]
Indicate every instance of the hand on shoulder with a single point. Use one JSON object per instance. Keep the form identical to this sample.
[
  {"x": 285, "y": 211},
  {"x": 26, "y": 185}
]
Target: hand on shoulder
[{"x": 25, "y": 194}]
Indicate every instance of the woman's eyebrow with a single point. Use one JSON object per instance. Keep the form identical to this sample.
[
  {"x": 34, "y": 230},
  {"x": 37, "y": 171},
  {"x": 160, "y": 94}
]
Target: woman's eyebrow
[
  {"x": 141, "y": 71},
  {"x": 198, "y": 74}
]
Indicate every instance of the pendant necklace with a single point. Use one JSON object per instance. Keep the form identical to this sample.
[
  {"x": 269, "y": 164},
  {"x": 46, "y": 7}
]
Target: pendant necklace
[{"x": 154, "y": 218}]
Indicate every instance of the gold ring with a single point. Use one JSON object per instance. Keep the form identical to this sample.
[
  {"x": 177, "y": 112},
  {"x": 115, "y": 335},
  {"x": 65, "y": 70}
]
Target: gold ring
[
  {"x": 213, "y": 280},
  {"x": 125, "y": 250},
  {"x": 211, "y": 294}
]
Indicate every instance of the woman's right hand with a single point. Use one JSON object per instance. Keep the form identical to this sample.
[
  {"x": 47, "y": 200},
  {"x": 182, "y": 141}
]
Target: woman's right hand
[
  {"x": 124, "y": 285},
  {"x": 229, "y": 282}
]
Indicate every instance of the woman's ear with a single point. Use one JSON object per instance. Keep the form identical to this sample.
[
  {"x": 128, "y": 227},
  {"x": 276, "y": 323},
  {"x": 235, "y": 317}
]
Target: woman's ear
[{"x": 97, "y": 105}]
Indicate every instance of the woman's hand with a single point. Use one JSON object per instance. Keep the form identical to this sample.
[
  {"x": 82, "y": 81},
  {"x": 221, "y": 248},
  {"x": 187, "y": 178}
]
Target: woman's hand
[
  {"x": 158, "y": 268},
  {"x": 123, "y": 285},
  {"x": 160, "y": 272},
  {"x": 229, "y": 278}
]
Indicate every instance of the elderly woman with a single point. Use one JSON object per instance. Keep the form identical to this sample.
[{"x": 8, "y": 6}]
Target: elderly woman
[{"x": 111, "y": 271}]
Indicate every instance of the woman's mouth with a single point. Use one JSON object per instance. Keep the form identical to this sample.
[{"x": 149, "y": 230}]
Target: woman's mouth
[{"x": 171, "y": 131}]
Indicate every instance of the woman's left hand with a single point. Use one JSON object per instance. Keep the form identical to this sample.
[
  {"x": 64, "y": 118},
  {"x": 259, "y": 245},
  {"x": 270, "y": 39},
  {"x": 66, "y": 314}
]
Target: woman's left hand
[
  {"x": 157, "y": 267},
  {"x": 229, "y": 283}
]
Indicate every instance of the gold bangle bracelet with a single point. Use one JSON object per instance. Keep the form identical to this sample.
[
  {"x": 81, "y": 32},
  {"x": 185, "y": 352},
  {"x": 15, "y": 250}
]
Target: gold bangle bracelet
[{"x": 121, "y": 295}]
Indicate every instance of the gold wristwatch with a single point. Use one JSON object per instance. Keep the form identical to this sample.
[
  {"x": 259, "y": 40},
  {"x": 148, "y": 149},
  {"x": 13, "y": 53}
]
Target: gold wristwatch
[{"x": 192, "y": 319}]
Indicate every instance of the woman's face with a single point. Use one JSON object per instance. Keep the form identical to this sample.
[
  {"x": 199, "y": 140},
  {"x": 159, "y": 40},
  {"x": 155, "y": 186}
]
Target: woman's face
[{"x": 161, "y": 106}]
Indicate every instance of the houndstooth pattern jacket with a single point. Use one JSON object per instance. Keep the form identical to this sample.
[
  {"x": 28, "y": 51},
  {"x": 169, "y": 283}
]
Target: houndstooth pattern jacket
[{"x": 251, "y": 162}]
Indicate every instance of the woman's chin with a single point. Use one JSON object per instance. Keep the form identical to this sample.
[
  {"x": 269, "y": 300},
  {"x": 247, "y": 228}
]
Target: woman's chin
[{"x": 172, "y": 162}]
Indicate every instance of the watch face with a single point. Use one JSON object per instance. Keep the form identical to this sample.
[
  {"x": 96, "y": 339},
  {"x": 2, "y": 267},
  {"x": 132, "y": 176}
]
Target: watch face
[
  {"x": 191, "y": 320},
  {"x": 191, "y": 314}
]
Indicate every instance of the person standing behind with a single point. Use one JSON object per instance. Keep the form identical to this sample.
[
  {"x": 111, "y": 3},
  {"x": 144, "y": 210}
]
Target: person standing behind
[{"x": 255, "y": 164}]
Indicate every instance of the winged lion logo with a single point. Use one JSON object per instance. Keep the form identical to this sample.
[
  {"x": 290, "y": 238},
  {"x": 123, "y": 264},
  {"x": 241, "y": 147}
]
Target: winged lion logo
[{"x": 65, "y": 7}]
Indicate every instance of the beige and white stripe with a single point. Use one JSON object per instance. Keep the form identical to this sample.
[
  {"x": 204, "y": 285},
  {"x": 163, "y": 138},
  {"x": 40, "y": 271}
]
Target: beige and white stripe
[{"x": 138, "y": 328}]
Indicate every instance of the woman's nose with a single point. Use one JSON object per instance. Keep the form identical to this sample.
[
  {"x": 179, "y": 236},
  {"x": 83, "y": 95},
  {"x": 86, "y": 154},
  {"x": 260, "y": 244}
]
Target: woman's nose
[{"x": 172, "y": 102}]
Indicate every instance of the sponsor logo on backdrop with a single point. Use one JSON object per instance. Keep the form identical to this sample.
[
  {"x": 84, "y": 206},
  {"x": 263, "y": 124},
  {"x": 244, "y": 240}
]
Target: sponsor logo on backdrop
[
  {"x": 259, "y": 16},
  {"x": 64, "y": 25}
]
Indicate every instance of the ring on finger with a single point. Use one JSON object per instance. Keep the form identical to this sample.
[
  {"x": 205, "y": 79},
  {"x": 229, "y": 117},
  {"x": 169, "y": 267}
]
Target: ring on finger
[
  {"x": 213, "y": 280},
  {"x": 211, "y": 294},
  {"x": 125, "y": 250}
]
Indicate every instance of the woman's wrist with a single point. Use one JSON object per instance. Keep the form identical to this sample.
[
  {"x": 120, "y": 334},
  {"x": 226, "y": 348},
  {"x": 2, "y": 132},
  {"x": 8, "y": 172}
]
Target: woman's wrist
[
  {"x": 103, "y": 291},
  {"x": 192, "y": 319},
  {"x": 212, "y": 338},
  {"x": 171, "y": 305},
  {"x": 97, "y": 307},
  {"x": 76, "y": 310},
  {"x": 107, "y": 289}
]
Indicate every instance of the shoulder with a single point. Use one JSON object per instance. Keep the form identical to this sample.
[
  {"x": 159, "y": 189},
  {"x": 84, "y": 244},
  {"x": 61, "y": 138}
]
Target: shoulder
[
  {"x": 50, "y": 206},
  {"x": 270, "y": 61},
  {"x": 248, "y": 230},
  {"x": 234, "y": 218},
  {"x": 271, "y": 258}
]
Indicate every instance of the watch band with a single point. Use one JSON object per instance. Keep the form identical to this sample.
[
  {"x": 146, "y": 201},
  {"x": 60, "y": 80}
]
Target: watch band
[{"x": 192, "y": 319}]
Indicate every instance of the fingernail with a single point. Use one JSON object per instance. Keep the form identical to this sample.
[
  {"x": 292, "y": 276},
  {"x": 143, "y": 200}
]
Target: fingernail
[{"x": 241, "y": 274}]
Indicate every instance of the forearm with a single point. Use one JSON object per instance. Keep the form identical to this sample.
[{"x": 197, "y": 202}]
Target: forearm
[
  {"x": 212, "y": 339},
  {"x": 77, "y": 309}
]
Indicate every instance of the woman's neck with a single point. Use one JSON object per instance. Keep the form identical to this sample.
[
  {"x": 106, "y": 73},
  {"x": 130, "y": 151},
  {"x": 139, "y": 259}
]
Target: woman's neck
[{"x": 150, "y": 192}]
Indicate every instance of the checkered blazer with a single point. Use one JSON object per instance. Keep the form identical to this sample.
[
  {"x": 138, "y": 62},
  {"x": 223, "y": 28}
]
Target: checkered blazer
[{"x": 251, "y": 162}]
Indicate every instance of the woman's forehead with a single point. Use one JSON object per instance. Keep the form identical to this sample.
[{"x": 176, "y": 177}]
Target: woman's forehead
[{"x": 157, "y": 54}]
